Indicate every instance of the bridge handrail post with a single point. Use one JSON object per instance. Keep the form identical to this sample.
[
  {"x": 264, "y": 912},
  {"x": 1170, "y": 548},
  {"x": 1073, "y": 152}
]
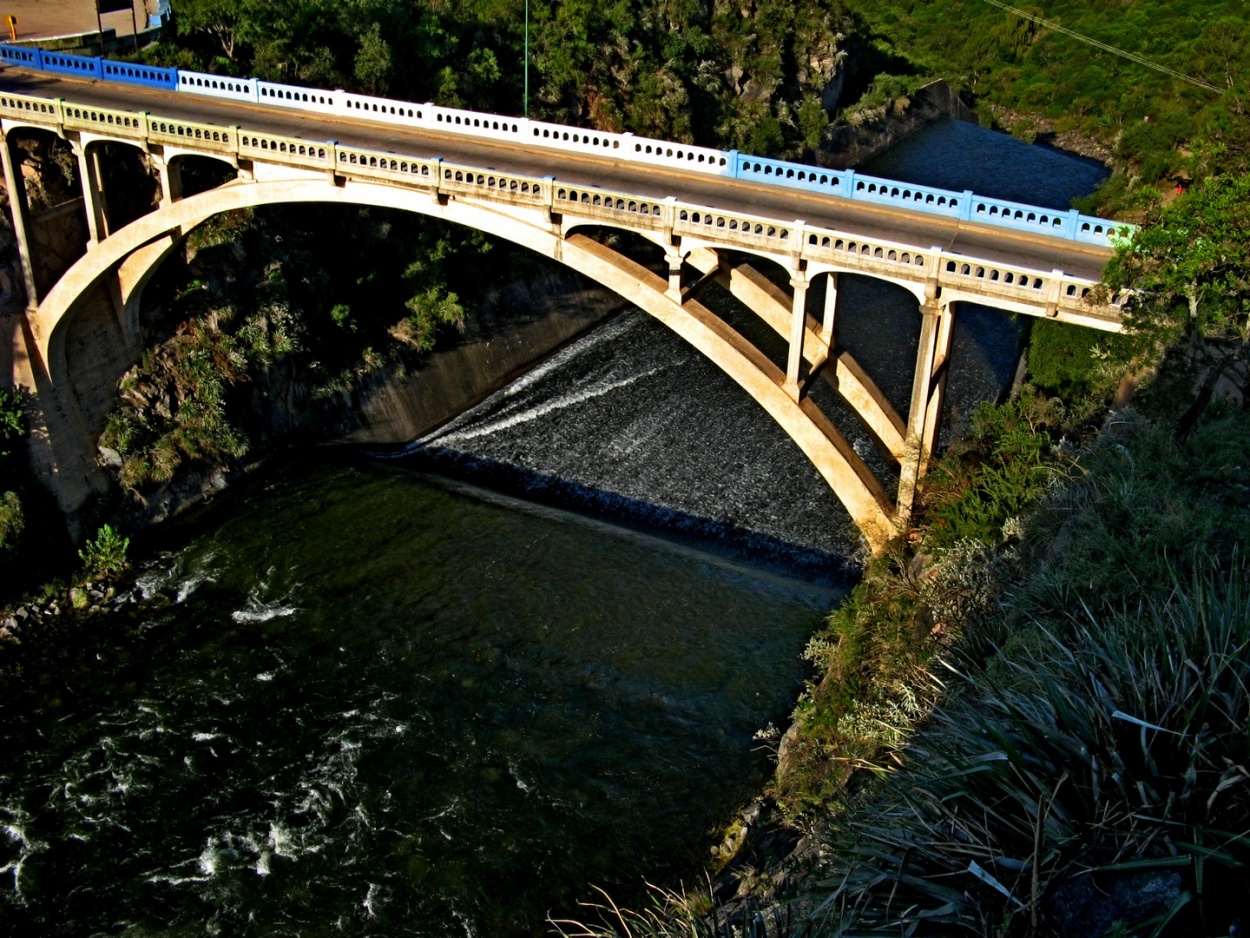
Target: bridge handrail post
[
  {"x": 965, "y": 211},
  {"x": 58, "y": 106},
  {"x": 669, "y": 214},
  {"x": 332, "y": 148},
  {"x": 1073, "y": 224},
  {"x": 734, "y": 157},
  {"x": 848, "y": 179},
  {"x": 798, "y": 240},
  {"x": 1053, "y": 292}
]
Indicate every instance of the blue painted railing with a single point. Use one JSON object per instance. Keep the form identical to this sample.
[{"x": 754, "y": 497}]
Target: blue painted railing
[
  {"x": 66, "y": 64},
  {"x": 147, "y": 75}
]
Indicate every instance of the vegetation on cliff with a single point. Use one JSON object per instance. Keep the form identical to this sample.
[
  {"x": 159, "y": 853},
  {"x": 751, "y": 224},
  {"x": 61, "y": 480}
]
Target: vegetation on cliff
[
  {"x": 764, "y": 76},
  {"x": 1159, "y": 128},
  {"x": 12, "y": 430},
  {"x": 273, "y": 326}
]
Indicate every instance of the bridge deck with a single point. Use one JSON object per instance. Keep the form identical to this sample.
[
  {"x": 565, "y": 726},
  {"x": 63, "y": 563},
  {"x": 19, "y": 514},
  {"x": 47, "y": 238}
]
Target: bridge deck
[{"x": 983, "y": 242}]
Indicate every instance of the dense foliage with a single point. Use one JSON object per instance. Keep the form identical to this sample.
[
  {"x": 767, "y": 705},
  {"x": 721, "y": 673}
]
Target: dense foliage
[
  {"x": 1187, "y": 273},
  {"x": 760, "y": 75}
]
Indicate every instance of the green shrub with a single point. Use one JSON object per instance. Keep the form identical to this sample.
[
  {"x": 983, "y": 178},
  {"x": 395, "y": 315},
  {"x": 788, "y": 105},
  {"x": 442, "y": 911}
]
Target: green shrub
[
  {"x": 12, "y": 522},
  {"x": 105, "y": 554},
  {"x": 1140, "y": 508},
  {"x": 999, "y": 472},
  {"x": 1067, "y": 360}
]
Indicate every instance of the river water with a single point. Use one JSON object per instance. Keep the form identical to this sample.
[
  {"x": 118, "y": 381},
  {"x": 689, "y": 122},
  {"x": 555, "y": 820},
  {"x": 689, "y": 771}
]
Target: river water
[{"x": 420, "y": 695}]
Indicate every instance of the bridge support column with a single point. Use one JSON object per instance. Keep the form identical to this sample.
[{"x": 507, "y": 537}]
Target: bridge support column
[
  {"x": 675, "y": 260},
  {"x": 171, "y": 180},
  {"x": 831, "y": 305},
  {"x": 926, "y": 400},
  {"x": 18, "y": 207},
  {"x": 798, "y": 332},
  {"x": 92, "y": 193}
]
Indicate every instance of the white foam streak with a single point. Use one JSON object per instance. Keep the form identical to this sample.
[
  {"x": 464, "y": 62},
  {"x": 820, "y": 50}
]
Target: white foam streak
[
  {"x": 458, "y": 438},
  {"x": 370, "y": 897}
]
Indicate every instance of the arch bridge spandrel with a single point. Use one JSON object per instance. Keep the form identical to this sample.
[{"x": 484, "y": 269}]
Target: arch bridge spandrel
[{"x": 701, "y": 244}]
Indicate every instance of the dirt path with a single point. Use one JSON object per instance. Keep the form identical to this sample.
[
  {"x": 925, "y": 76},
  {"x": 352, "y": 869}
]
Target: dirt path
[{"x": 40, "y": 18}]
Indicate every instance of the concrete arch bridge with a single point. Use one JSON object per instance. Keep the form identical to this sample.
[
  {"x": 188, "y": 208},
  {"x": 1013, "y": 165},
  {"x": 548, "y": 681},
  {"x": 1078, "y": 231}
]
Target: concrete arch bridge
[{"x": 546, "y": 201}]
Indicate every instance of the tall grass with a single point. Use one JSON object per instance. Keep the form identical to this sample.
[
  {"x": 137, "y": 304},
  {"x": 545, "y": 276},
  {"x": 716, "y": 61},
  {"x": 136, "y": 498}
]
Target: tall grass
[{"x": 1120, "y": 751}]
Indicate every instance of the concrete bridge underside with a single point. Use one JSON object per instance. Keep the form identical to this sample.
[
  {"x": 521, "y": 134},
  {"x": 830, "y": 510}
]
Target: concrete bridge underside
[
  {"x": 124, "y": 262},
  {"x": 117, "y": 265}
]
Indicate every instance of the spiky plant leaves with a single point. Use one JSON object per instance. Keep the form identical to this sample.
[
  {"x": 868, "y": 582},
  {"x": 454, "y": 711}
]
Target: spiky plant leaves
[{"x": 1122, "y": 753}]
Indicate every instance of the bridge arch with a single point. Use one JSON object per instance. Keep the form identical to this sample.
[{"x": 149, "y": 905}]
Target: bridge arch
[{"x": 136, "y": 251}]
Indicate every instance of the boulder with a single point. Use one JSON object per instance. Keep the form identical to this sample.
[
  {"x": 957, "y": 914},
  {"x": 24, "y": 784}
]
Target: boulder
[{"x": 1088, "y": 905}]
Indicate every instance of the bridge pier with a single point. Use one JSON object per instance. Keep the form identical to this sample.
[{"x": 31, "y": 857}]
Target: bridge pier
[
  {"x": 92, "y": 192},
  {"x": 21, "y": 214},
  {"x": 798, "y": 332},
  {"x": 171, "y": 179},
  {"x": 674, "y": 259},
  {"x": 831, "y": 305},
  {"x": 928, "y": 389}
]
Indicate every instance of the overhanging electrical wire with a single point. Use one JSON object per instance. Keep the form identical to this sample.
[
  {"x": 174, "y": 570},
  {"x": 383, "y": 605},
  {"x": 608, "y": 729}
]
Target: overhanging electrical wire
[{"x": 1132, "y": 57}]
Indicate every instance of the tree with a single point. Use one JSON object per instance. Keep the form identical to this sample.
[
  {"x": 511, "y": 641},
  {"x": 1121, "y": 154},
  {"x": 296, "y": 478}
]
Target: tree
[
  {"x": 373, "y": 61},
  {"x": 226, "y": 22},
  {"x": 1188, "y": 270}
]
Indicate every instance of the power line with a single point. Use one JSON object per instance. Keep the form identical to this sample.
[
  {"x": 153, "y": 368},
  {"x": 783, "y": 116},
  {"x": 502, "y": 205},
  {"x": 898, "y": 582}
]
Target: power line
[{"x": 1132, "y": 57}]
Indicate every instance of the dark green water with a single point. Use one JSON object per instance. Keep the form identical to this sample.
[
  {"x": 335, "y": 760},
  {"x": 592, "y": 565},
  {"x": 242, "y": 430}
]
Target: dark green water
[{"x": 376, "y": 705}]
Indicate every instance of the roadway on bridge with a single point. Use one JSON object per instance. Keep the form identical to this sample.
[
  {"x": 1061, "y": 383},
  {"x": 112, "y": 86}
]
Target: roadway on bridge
[{"x": 916, "y": 229}]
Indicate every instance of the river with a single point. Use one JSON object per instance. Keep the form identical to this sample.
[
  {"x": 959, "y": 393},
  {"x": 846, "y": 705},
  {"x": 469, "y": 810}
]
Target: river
[{"x": 449, "y": 693}]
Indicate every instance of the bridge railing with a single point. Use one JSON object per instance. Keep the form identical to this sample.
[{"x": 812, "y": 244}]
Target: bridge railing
[
  {"x": 361, "y": 163},
  {"x": 219, "y": 86},
  {"x": 844, "y": 183},
  {"x": 104, "y": 120},
  {"x": 292, "y": 96},
  {"x": 23, "y": 106},
  {"x": 293, "y": 151},
  {"x": 871, "y": 255},
  {"x": 697, "y": 221},
  {"x": 194, "y": 135},
  {"x": 65, "y": 64},
  {"x": 1014, "y": 286},
  {"x": 607, "y": 205},
  {"x": 134, "y": 74},
  {"x": 500, "y": 187}
]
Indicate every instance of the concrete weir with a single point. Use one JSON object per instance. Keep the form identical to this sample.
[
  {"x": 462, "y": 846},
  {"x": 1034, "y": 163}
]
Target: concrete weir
[{"x": 768, "y": 261}]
